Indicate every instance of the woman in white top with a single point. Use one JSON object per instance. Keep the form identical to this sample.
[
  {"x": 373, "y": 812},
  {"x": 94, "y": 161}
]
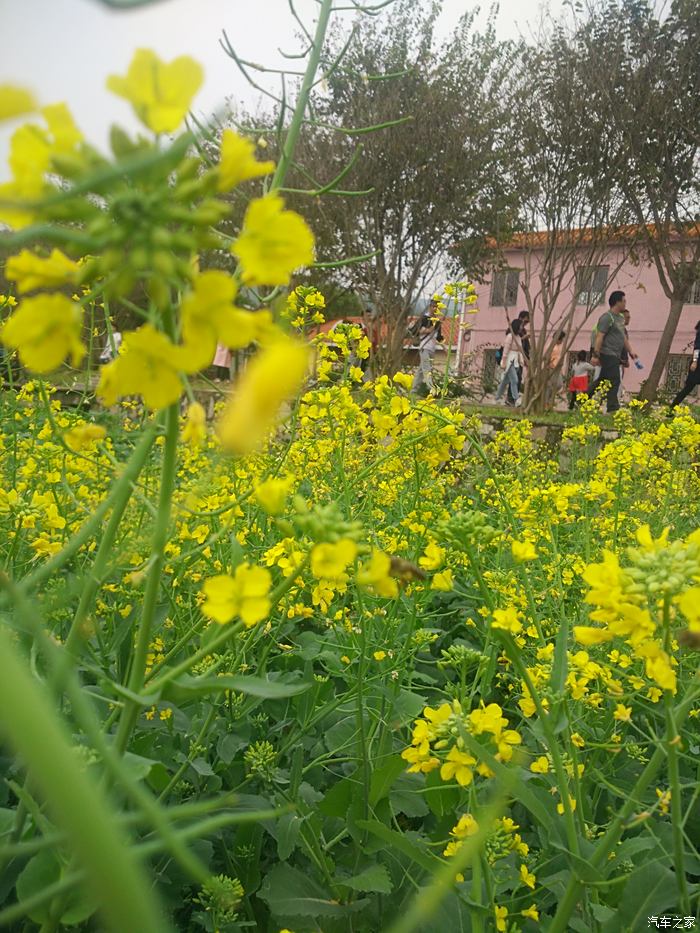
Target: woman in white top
[{"x": 511, "y": 360}]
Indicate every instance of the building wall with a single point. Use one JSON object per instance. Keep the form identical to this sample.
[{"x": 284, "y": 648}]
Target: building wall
[{"x": 645, "y": 299}]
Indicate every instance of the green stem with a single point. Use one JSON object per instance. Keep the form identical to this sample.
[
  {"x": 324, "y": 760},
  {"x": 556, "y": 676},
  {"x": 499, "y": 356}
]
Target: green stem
[
  {"x": 559, "y": 770},
  {"x": 28, "y": 720},
  {"x": 302, "y": 103},
  {"x": 672, "y": 743},
  {"x": 131, "y": 708}
]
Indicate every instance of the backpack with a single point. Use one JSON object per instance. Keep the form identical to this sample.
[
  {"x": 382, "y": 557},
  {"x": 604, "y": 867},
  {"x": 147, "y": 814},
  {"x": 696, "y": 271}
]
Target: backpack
[{"x": 499, "y": 355}]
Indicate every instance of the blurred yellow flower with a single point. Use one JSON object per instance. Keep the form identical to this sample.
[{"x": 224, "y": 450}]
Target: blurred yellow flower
[
  {"x": 523, "y": 551},
  {"x": 433, "y": 557},
  {"x": 30, "y": 271},
  {"x": 244, "y": 595},
  {"x": 330, "y": 561},
  {"x": 195, "y": 430},
  {"x": 443, "y": 581},
  {"x": 15, "y": 101},
  {"x": 83, "y": 436},
  {"x": 273, "y": 242},
  {"x": 270, "y": 379},
  {"x": 507, "y": 619},
  {"x": 377, "y": 575},
  {"x": 379, "y": 655},
  {"x": 161, "y": 93},
  {"x": 531, "y": 913},
  {"x": 540, "y": 765},
  {"x": 238, "y": 162},
  {"x": 209, "y": 317},
  {"x": 148, "y": 365},
  {"x": 45, "y": 330},
  {"x": 272, "y": 494}
]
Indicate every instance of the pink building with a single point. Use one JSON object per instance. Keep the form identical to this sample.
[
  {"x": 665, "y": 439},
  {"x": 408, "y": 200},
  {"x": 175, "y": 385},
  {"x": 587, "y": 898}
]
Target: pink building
[{"x": 503, "y": 296}]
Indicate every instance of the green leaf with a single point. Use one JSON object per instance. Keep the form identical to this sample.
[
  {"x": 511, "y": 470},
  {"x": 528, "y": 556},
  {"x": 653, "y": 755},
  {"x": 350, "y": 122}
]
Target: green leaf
[
  {"x": 287, "y": 830},
  {"x": 406, "y": 798},
  {"x": 403, "y": 843},
  {"x": 337, "y": 799},
  {"x": 383, "y": 778},
  {"x": 41, "y": 871},
  {"x": 186, "y": 687},
  {"x": 374, "y": 878},
  {"x": 651, "y": 889},
  {"x": 291, "y": 893}
]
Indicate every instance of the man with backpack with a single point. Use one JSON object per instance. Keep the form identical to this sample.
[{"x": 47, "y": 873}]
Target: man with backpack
[{"x": 609, "y": 343}]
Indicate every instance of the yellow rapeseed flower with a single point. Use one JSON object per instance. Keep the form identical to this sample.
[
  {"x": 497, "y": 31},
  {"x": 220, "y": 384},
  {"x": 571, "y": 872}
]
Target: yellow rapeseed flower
[
  {"x": 523, "y": 551},
  {"x": 377, "y": 575},
  {"x": 540, "y": 765},
  {"x": 270, "y": 379},
  {"x": 623, "y": 713},
  {"x": 210, "y": 317},
  {"x": 272, "y": 493},
  {"x": 273, "y": 242},
  {"x": 246, "y": 595},
  {"x": 330, "y": 560},
  {"x": 443, "y": 581},
  {"x": 45, "y": 330},
  {"x": 379, "y": 655},
  {"x": 161, "y": 93},
  {"x": 531, "y": 913},
  {"x": 30, "y": 271},
  {"x": 527, "y": 877},
  {"x": 195, "y": 430},
  {"x": 507, "y": 619},
  {"x": 148, "y": 365},
  {"x": 238, "y": 162},
  {"x": 501, "y": 917},
  {"x": 83, "y": 436}
]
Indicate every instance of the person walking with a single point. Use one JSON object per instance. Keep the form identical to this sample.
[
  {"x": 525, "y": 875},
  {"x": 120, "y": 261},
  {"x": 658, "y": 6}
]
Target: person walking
[
  {"x": 511, "y": 360},
  {"x": 524, "y": 318},
  {"x": 429, "y": 335},
  {"x": 693, "y": 378},
  {"x": 610, "y": 340},
  {"x": 580, "y": 377}
]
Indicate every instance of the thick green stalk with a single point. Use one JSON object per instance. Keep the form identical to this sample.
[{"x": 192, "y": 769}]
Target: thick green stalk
[
  {"x": 28, "y": 720},
  {"x": 290, "y": 140},
  {"x": 160, "y": 537},
  {"x": 100, "y": 563},
  {"x": 672, "y": 743}
]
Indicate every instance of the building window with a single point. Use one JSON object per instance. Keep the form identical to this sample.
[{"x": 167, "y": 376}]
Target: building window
[
  {"x": 694, "y": 295},
  {"x": 504, "y": 288},
  {"x": 591, "y": 282},
  {"x": 488, "y": 375}
]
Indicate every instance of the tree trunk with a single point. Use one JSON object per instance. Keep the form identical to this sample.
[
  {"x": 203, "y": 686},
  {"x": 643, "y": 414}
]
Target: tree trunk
[{"x": 651, "y": 384}]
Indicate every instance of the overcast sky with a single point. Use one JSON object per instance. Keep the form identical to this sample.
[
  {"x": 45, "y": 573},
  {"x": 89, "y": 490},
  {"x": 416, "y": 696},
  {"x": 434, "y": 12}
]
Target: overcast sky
[{"x": 65, "y": 49}]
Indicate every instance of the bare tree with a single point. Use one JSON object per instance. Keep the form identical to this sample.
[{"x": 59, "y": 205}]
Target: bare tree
[
  {"x": 640, "y": 72},
  {"x": 431, "y": 175},
  {"x": 572, "y": 220}
]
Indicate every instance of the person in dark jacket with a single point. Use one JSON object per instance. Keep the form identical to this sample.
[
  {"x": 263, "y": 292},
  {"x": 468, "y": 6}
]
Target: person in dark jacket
[{"x": 693, "y": 373}]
